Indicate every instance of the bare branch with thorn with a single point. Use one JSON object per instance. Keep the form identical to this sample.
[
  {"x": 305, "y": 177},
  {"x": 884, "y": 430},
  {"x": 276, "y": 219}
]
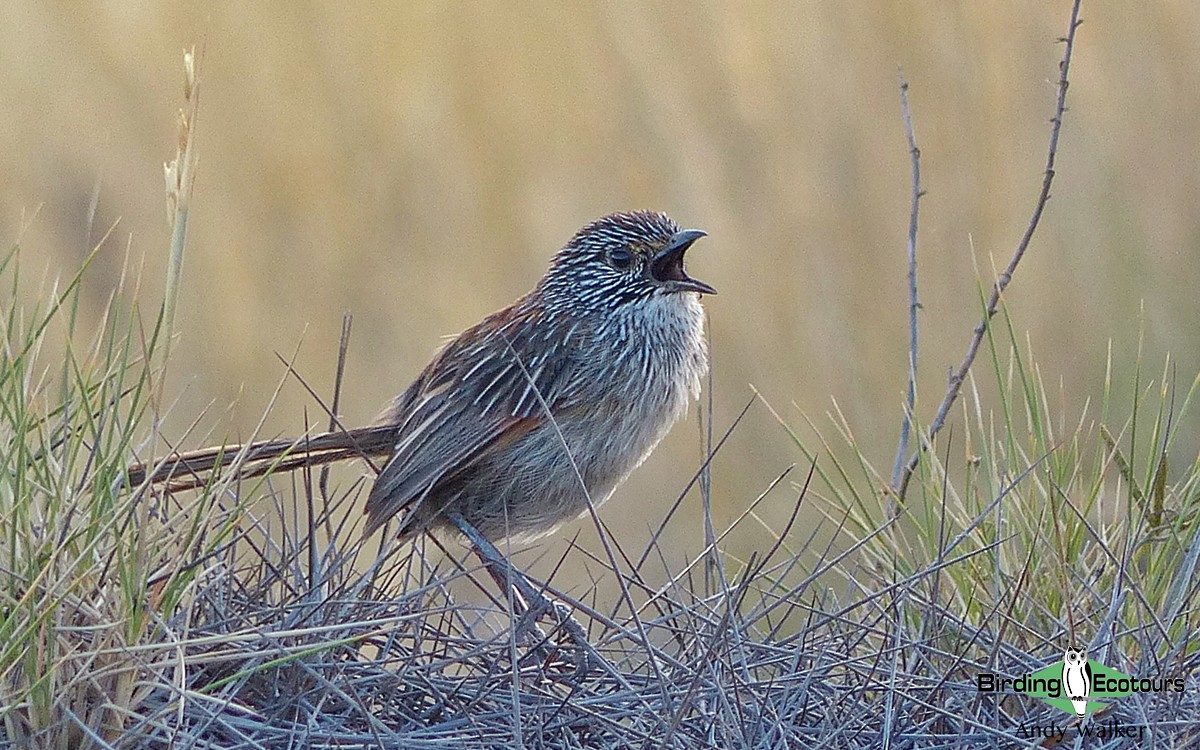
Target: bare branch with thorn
[
  {"x": 913, "y": 303},
  {"x": 959, "y": 374}
]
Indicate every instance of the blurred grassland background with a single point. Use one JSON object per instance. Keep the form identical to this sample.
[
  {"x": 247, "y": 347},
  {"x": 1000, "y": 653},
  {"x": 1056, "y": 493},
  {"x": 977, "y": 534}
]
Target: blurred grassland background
[{"x": 417, "y": 164}]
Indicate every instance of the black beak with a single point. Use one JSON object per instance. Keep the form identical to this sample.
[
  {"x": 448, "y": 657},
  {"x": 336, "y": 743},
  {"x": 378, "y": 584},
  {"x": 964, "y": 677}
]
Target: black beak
[{"x": 667, "y": 266}]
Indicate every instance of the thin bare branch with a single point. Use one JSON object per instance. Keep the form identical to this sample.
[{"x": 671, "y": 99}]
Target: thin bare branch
[
  {"x": 914, "y": 303},
  {"x": 993, "y": 302}
]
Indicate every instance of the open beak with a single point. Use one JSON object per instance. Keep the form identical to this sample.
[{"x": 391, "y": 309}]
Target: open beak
[{"x": 667, "y": 266}]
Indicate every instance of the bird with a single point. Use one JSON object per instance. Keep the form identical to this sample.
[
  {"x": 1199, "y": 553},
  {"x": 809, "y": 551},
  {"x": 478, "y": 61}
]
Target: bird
[
  {"x": 527, "y": 419},
  {"x": 1077, "y": 679}
]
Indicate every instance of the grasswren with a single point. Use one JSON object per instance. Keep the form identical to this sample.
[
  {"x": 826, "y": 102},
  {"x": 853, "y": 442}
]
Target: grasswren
[{"x": 524, "y": 419}]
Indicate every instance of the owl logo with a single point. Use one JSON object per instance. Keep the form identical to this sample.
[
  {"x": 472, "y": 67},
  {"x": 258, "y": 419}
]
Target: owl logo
[{"x": 1077, "y": 679}]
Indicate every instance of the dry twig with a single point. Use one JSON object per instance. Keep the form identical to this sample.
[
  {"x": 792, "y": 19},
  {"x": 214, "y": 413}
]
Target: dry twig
[
  {"x": 914, "y": 303},
  {"x": 993, "y": 302}
]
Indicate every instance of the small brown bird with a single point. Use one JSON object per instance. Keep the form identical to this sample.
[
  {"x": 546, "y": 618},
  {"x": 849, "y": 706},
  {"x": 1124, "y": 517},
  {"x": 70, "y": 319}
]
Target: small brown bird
[
  {"x": 551, "y": 402},
  {"x": 522, "y": 419}
]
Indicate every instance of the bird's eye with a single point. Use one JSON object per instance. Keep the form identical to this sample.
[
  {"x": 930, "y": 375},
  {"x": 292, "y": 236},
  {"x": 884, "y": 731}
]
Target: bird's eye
[{"x": 620, "y": 257}]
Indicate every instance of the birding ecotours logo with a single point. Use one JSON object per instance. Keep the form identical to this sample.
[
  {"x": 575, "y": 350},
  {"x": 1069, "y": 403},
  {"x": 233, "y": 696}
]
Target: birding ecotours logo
[
  {"x": 1077, "y": 685},
  {"x": 1071, "y": 684}
]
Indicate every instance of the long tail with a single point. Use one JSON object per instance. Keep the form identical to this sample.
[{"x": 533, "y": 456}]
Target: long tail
[{"x": 181, "y": 471}]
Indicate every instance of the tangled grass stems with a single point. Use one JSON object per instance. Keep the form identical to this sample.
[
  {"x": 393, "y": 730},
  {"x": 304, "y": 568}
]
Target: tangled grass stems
[{"x": 226, "y": 616}]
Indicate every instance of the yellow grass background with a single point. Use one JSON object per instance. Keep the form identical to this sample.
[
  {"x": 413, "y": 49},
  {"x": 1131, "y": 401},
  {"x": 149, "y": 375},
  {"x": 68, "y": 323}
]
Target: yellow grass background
[{"x": 417, "y": 164}]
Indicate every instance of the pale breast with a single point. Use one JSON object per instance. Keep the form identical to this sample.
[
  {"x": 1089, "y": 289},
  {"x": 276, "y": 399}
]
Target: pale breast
[
  {"x": 657, "y": 369},
  {"x": 630, "y": 383}
]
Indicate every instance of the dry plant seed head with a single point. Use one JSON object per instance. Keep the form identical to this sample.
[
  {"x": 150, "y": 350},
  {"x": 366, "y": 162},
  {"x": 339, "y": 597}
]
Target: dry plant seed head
[
  {"x": 189, "y": 72},
  {"x": 547, "y": 405}
]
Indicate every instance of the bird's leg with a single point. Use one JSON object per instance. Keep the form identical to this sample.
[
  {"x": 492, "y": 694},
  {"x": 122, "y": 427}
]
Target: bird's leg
[{"x": 535, "y": 602}]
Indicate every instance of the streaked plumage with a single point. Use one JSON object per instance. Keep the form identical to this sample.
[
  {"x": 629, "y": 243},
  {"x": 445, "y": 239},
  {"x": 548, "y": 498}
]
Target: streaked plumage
[{"x": 609, "y": 344}]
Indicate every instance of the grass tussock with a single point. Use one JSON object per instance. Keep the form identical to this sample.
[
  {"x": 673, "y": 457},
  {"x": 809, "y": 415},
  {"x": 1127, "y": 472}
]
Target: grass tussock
[{"x": 248, "y": 612}]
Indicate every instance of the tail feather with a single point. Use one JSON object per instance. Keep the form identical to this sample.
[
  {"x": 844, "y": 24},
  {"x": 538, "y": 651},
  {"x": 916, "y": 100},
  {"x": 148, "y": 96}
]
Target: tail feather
[{"x": 193, "y": 469}]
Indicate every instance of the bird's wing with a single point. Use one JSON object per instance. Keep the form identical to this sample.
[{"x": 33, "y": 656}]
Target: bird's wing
[{"x": 489, "y": 386}]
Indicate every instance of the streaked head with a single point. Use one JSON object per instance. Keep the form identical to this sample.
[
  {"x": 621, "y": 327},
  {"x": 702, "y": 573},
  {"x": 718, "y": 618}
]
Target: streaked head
[{"x": 623, "y": 258}]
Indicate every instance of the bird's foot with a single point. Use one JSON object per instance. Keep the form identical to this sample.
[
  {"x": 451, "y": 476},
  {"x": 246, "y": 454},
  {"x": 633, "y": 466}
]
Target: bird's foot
[
  {"x": 529, "y": 605},
  {"x": 586, "y": 657}
]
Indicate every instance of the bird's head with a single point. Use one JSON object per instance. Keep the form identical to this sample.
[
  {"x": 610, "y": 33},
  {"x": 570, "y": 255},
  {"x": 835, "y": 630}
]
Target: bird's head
[{"x": 623, "y": 258}]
